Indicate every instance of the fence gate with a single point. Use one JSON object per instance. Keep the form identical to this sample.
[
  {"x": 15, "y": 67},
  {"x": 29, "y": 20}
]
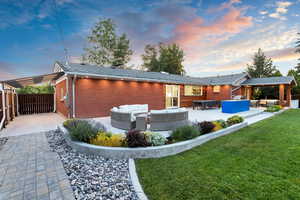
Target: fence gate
[{"x": 35, "y": 103}]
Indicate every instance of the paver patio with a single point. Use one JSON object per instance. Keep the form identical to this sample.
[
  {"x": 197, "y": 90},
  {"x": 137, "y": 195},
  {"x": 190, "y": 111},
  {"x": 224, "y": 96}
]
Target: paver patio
[{"x": 29, "y": 170}]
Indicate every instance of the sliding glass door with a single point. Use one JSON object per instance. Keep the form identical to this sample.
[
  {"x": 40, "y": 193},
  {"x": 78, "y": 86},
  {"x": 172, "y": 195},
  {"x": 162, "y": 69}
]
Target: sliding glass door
[{"x": 172, "y": 96}]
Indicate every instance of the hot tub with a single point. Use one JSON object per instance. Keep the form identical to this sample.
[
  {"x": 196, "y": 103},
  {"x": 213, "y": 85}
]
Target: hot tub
[{"x": 235, "y": 106}]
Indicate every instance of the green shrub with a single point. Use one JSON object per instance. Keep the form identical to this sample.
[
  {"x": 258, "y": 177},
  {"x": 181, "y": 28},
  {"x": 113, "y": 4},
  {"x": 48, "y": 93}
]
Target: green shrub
[
  {"x": 274, "y": 108},
  {"x": 185, "y": 133},
  {"x": 155, "y": 139},
  {"x": 135, "y": 138},
  {"x": 70, "y": 123},
  {"x": 206, "y": 127},
  {"x": 80, "y": 130},
  {"x": 234, "y": 120}
]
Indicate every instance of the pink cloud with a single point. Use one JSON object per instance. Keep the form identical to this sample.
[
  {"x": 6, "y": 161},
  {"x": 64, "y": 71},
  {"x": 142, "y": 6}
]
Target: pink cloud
[
  {"x": 283, "y": 54},
  {"x": 194, "y": 31}
]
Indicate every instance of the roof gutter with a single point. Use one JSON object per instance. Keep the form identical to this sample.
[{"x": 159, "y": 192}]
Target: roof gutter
[
  {"x": 3, "y": 106},
  {"x": 262, "y": 84},
  {"x": 129, "y": 78}
]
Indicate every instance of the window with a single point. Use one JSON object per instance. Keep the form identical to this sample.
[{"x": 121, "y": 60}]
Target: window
[
  {"x": 193, "y": 90},
  {"x": 62, "y": 95},
  {"x": 216, "y": 88}
]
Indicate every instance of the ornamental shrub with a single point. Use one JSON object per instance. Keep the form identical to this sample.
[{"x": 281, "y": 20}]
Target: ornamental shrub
[
  {"x": 218, "y": 126},
  {"x": 135, "y": 138},
  {"x": 70, "y": 123},
  {"x": 223, "y": 123},
  {"x": 235, "y": 120},
  {"x": 108, "y": 139},
  {"x": 274, "y": 108},
  {"x": 185, "y": 133},
  {"x": 206, "y": 127},
  {"x": 155, "y": 139},
  {"x": 81, "y": 130}
]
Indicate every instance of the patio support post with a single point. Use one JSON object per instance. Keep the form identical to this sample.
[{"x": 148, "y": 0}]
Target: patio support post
[
  {"x": 3, "y": 107},
  {"x": 281, "y": 94},
  {"x": 288, "y": 95}
]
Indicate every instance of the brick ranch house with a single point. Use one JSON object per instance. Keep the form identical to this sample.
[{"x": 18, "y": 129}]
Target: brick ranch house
[{"x": 86, "y": 91}]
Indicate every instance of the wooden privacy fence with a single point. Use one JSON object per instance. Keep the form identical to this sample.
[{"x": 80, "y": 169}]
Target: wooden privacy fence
[{"x": 35, "y": 103}]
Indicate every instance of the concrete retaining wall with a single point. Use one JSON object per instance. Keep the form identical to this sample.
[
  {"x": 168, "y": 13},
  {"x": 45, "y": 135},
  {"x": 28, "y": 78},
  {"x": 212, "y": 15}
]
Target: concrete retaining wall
[{"x": 147, "y": 152}]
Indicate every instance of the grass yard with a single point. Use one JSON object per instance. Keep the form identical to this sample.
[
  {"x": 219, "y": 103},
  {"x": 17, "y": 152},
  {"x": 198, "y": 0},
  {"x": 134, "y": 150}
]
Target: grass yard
[{"x": 261, "y": 161}]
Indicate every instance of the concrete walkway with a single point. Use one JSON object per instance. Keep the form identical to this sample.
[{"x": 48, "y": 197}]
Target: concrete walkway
[
  {"x": 27, "y": 124},
  {"x": 29, "y": 170}
]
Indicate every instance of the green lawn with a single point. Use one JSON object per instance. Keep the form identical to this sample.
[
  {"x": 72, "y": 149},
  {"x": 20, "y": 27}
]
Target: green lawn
[{"x": 261, "y": 161}]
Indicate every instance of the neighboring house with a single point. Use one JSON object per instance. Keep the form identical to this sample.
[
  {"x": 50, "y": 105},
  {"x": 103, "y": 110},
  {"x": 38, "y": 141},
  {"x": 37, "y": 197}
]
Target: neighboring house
[{"x": 98, "y": 89}]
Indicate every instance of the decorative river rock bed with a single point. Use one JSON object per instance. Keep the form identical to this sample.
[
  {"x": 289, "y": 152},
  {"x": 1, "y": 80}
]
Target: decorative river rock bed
[
  {"x": 93, "y": 177},
  {"x": 3, "y": 142}
]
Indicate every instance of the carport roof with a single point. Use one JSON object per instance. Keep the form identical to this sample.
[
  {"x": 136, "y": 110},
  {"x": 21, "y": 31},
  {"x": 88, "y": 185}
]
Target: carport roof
[
  {"x": 22, "y": 82},
  {"x": 270, "y": 81}
]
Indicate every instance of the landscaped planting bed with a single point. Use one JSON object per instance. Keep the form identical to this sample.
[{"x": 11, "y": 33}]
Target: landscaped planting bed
[
  {"x": 260, "y": 161},
  {"x": 91, "y": 137},
  {"x": 93, "y": 177}
]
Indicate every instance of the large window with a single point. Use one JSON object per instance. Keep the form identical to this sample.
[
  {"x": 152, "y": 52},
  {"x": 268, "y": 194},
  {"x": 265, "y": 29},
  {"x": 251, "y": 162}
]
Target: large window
[
  {"x": 216, "y": 89},
  {"x": 193, "y": 90}
]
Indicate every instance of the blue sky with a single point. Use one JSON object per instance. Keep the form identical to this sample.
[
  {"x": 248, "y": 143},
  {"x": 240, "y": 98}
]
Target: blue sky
[{"x": 218, "y": 37}]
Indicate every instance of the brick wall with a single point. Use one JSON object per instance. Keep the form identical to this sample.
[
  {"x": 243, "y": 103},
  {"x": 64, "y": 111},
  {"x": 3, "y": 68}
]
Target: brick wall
[
  {"x": 224, "y": 94},
  {"x": 95, "y": 98},
  {"x": 186, "y": 101},
  {"x": 61, "y": 106}
]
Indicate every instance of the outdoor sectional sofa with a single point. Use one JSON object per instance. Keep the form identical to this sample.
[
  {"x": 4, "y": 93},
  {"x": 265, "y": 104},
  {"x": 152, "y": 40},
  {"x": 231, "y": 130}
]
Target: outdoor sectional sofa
[
  {"x": 123, "y": 117},
  {"x": 169, "y": 119}
]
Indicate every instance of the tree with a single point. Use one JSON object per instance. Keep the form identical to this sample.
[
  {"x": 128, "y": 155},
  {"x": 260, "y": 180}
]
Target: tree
[
  {"x": 298, "y": 51},
  {"x": 107, "y": 48},
  {"x": 167, "y": 58},
  {"x": 42, "y": 89},
  {"x": 262, "y": 66}
]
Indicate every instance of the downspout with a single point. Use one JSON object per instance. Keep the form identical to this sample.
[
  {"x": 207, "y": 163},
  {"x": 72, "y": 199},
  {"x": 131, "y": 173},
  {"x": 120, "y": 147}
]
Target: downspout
[
  {"x": 54, "y": 107},
  {"x": 3, "y": 106},
  {"x": 73, "y": 95}
]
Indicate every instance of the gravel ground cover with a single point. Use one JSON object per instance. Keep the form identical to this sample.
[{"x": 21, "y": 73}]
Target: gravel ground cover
[
  {"x": 93, "y": 177},
  {"x": 3, "y": 142}
]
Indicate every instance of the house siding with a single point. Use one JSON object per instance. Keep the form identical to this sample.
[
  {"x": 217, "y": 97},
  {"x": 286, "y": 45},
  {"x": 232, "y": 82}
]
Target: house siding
[
  {"x": 224, "y": 94},
  {"x": 95, "y": 98},
  {"x": 186, "y": 101},
  {"x": 61, "y": 106}
]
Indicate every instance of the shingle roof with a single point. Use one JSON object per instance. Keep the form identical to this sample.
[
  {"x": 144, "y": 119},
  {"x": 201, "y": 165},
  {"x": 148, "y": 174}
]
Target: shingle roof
[
  {"x": 270, "y": 80},
  {"x": 92, "y": 70}
]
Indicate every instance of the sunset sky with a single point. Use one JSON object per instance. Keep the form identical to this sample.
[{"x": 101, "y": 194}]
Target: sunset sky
[{"x": 218, "y": 37}]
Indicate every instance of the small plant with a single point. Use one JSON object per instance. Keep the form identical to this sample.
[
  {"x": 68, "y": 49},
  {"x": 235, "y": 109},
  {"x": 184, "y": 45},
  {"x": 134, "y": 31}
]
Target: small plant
[
  {"x": 70, "y": 123},
  {"x": 185, "y": 133},
  {"x": 81, "y": 130},
  {"x": 234, "y": 120},
  {"x": 218, "y": 126},
  {"x": 135, "y": 138},
  {"x": 206, "y": 127},
  {"x": 108, "y": 139},
  {"x": 274, "y": 108},
  {"x": 223, "y": 123},
  {"x": 155, "y": 139}
]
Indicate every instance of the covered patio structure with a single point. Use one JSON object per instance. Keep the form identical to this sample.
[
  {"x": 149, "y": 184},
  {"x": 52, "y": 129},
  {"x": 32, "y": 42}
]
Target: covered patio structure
[
  {"x": 284, "y": 84},
  {"x": 9, "y": 101}
]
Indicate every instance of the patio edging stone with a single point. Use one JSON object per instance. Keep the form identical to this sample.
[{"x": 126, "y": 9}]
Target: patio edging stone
[
  {"x": 146, "y": 152},
  {"x": 135, "y": 180}
]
